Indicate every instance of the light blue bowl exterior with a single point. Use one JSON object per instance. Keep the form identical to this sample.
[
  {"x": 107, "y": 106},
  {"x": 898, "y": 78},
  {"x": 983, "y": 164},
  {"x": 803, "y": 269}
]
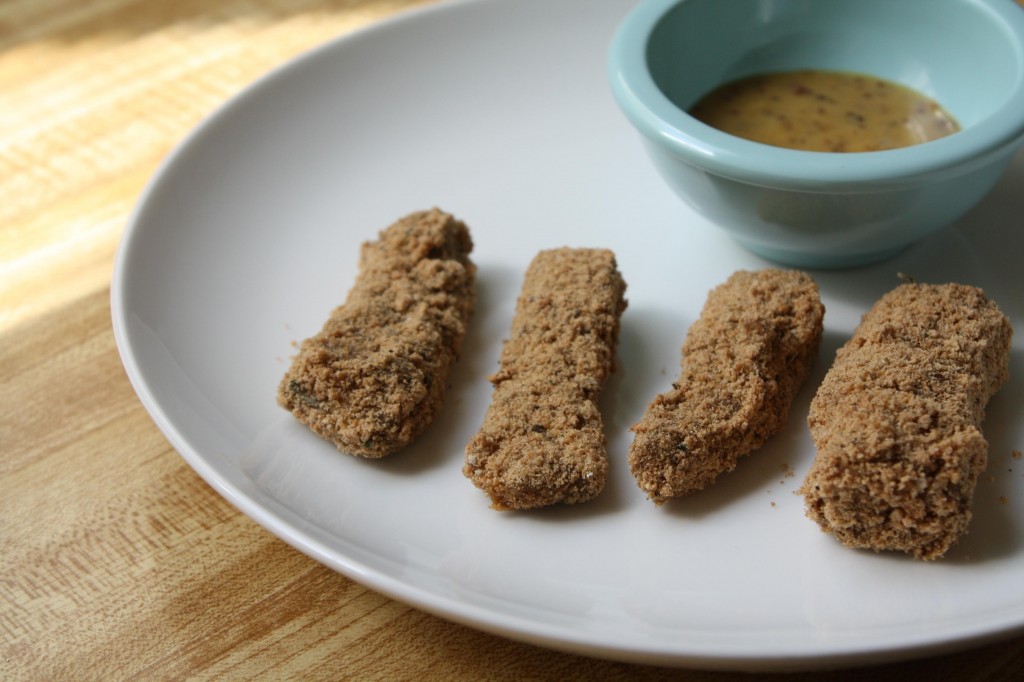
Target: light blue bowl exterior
[{"x": 813, "y": 209}]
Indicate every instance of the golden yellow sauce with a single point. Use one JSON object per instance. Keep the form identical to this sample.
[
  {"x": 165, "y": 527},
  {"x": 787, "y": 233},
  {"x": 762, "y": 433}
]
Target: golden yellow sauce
[{"x": 824, "y": 111}]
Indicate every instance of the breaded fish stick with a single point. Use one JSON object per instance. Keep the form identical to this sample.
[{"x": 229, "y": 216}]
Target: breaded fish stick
[
  {"x": 542, "y": 440},
  {"x": 375, "y": 376},
  {"x": 743, "y": 361},
  {"x": 897, "y": 420}
]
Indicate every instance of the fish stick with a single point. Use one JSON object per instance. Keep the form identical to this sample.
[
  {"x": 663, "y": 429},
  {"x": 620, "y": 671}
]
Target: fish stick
[
  {"x": 375, "y": 376},
  {"x": 743, "y": 362},
  {"x": 897, "y": 420},
  {"x": 542, "y": 439}
]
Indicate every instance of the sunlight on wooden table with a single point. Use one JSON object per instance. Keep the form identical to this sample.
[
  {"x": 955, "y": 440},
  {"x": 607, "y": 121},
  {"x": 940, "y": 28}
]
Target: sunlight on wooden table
[{"x": 96, "y": 97}]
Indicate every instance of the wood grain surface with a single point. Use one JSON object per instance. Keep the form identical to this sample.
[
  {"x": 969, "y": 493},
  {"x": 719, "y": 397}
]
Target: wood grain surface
[{"x": 116, "y": 560}]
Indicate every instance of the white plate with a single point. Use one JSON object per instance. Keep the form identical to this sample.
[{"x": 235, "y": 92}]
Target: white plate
[{"x": 500, "y": 113}]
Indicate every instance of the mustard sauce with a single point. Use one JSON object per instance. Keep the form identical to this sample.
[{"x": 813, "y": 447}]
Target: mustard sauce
[{"x": 824, "y": 111}]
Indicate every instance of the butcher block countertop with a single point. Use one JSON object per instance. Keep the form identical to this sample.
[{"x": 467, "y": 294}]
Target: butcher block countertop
[{"x": 117, "y": 561}]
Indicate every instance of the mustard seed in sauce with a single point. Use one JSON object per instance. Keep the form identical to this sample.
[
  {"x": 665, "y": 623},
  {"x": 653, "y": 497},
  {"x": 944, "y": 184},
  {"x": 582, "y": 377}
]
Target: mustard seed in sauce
[{"x": 824, "y": 111}]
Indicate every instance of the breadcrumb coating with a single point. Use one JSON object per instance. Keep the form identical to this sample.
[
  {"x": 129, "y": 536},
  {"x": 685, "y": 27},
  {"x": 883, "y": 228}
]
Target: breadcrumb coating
[
  {"x": 897, "y": 419},
  {"x": 743, "y": 362},
  {"x": 375, "y": 376},
  {"x": 542, "y": 440}
]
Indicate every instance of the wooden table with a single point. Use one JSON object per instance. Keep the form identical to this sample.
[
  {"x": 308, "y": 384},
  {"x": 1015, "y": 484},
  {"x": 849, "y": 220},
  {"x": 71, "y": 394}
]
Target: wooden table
[{"x": 116, "y": 560}]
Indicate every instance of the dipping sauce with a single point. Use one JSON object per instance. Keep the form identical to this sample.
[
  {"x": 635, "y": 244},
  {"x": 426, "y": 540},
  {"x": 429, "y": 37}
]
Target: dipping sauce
[{"x": 824, "y": 111}]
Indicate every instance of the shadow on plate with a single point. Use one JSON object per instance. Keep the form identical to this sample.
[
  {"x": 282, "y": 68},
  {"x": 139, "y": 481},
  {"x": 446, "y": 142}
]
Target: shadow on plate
[{"x": 982, "y": 249}]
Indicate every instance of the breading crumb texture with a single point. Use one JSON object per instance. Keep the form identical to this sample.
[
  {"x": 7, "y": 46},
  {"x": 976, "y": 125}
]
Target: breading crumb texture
[
  {"x": 897, "y": 420},
  {"x": 542, "y": 439},
  {"x": 743, "y": 362},
  {"x": 375, "y": 376}
]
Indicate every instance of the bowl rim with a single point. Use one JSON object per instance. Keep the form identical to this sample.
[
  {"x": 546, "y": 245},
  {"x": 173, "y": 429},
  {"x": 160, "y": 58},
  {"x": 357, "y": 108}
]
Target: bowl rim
[{"x": 684, "y": 137}]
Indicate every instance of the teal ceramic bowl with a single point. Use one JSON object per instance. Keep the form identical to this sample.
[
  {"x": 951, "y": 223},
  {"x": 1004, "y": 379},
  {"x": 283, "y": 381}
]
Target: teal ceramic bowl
[{"x": 820, "y": 209}]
